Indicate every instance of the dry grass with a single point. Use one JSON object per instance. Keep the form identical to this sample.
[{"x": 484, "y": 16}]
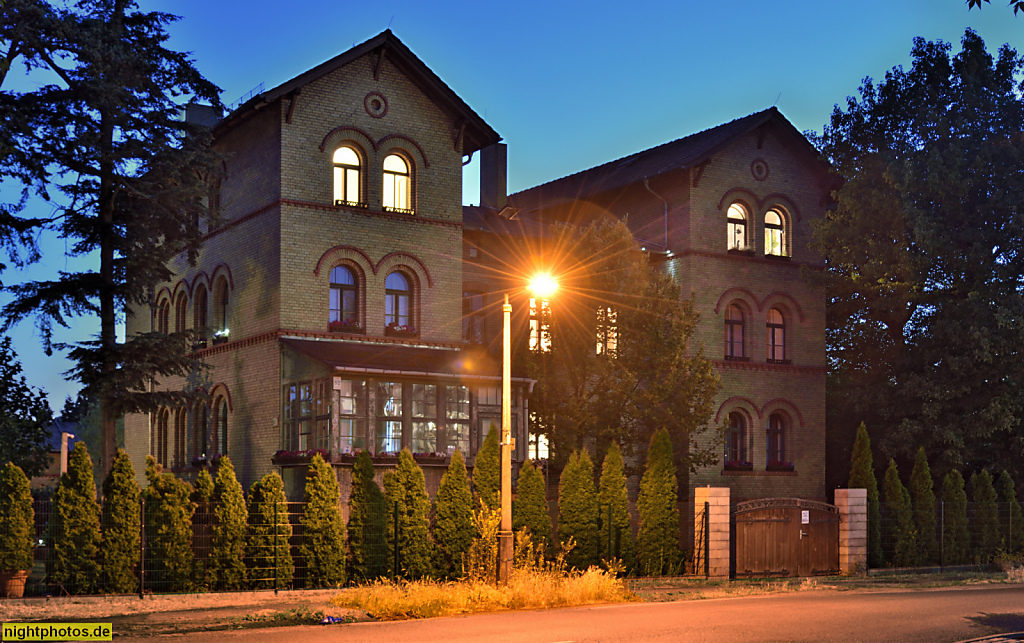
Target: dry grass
[
  {"x": 1015, "y": 574},
  {"x": 527, "y": 589}
]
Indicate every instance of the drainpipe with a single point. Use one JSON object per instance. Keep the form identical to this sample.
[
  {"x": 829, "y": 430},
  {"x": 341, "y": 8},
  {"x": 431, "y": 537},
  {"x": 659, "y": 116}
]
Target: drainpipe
[{"x": 646, "y": 185}]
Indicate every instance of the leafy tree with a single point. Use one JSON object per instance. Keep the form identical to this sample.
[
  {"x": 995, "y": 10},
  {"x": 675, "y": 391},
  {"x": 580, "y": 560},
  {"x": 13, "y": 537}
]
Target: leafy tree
[
  {"x": 169, "y": 558},
  {"x": 323, "y": 531},
  {"x": 1013, "y": 526},
  {"x": 367, "y": 547},
  {"x": 862, "y": 476},
  {"x": 17, "y": 520},
  {"x": 1018, "y": 5},
  {"x": 227, "y": 549},
  {"x": 453, "y": 518},
  {"x": 612, "y": 493},
  {"x": 119, "y": 549},
  {"x": 577, "y": 510},
  {"x": 407, "y": 487},
  {"x": 922, "y": 496},
  {"x": 73, "y": 532},
  {"x": 24, "y": 417},
  {"x": 268, "y": 556},
  {"x": 922, "y": 271},
  {"x": 901, "y": 543},
  {"x": 986, "y": 517},
  {"x": 956, "y": 545},
  {"x": 487, "y": 469},
  {"x": 530, "y": 506},
  {"x": 657, "y": 541},
  {"x": 103, "y": 141}
]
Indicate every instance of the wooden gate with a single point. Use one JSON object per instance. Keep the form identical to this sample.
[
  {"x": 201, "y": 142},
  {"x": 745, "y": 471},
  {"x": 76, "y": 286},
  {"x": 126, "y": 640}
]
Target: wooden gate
[{"x": 785, "y": 537}]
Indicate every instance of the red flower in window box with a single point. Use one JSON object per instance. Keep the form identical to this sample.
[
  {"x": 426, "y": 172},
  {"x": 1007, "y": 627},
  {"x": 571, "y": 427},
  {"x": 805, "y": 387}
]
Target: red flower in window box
[
  {"x": 345, "y": 326},
  {"x": 400, "y": 330}
]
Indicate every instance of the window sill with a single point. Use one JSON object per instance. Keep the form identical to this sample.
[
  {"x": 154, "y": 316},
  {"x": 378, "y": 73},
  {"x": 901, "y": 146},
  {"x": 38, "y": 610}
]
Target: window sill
[
  {"x": 351, "y": 204},
  {"x": 393, "y": 210},
  {"x": 410, "y": 334},
  {"x": 778, "y": 257},
  {"x": 740, "y": 252},
  {"x": 736, "y": 358},
  {"x": 352, "y": 329},
  {"x": 738, "y": 467},
  {"x": 779, "y": 361},
  {"x": 734, "y": 473}
]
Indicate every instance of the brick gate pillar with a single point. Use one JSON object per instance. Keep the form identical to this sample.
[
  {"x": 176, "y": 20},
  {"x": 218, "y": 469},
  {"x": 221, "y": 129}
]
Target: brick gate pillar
[
  {"x": 717, "y": 529},
  {"x": 853, "y": 530}
]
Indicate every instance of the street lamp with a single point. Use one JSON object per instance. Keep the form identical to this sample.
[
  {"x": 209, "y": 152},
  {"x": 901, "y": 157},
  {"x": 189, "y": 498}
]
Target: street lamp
[{"x": 542, "y": 285}]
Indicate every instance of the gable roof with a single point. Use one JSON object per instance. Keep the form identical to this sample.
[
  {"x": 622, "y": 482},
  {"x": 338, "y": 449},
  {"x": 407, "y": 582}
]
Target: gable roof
[
  {"x": 681, "y": 153},
  {"x": 478, "y": 134}
]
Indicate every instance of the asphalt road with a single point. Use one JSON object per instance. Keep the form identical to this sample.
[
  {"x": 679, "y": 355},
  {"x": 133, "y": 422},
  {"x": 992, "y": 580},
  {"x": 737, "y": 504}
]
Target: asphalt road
[{"x": 932, "y": 615}]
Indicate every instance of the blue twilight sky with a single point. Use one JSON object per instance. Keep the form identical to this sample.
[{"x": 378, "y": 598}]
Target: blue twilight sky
[{"x": 568, "y": 85}]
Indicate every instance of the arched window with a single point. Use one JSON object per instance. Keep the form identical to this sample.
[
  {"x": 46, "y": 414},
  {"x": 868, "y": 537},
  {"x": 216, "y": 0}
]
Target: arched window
[
  {"x": 776, "y": 442},
  {"x": 199, "y": 316},
  {"x": 736, "y": 442},
  {"x": 346, "y": 176},
  {"x": 472, "y": 317},
  {"x": 776, "y": 328},
  {"x": 220, "y": 418},
  {"x": 158, "y": 437},
  {"x": 180, "y": 313},
  {"x": 737, "y": 227},
  {"x": 163, "y": 316},
  {"x": 775, "y": 234},
  {"x": 397, "y": 302},
  {"x": 180, "y": 424},
  {"x": 344, "y": 315},
  {"x": 397, "y": 185},
  {"x": 734, "y": 332},
  {"x": 220, "y": 311},
  {"x": 200, "y": 437}
]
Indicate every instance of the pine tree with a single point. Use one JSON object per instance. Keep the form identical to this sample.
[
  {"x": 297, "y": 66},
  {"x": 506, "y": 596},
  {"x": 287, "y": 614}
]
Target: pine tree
[
  {"x": 487, "y": 470},
  {"x": 956, "y": 545},
  {"x": 407, "y": 487},
  {"x": 922, "y": 495},
  {"x": 577, "y": 510},
  {"x": 119, "y": 548},
  {"x": 862, "y": 476},
  {"x": 227, "y": 548},
  {"x": 612, "y": 493},
  {"x": 268, "y": 555},
  {"x": 901, "y": 541},
  {"x": 1013, "y": 527},
  {"x": 367, "y": 547},
  {"x": 986, "y": 517},
  {"x": 323, "y": 531},
  {"x": 453, "y": 518},
  {"x": 74, "y": 528},
  {"x": 17, "y": 520},
  {"x": 169, "y": 509},
  {"x": 658, "y": 538},
  {"x": 530, "y": 506}
]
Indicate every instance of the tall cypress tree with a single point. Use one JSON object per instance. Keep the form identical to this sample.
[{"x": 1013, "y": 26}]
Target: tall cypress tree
[
  {"x": 227, "y": 548},
  {"x": 577, "y": 510},
  {"x": 453, "y": 518},
  {"x": 985, "y": 523},
  {"x": 956, "y": 546},
  {"x": 367, "y": 547},
  {"x": 268, "y": 555},
  {"x": 169, "y": 557},
  {"x": 901, "y": 535},
  {"x": 922, "y": 496},
  {"x": 119, "y": 549},
  {"x": 323, "y": 531},
  {"x": 73, "y": 532},
  {"x": 1013, "y": 522},
  {"x": 612, "y": 494},
  {"x": 407, "y": 487},
  {"x": 487, "y": 470},
  {"x": 530, "y": 506},
  {"x": 862, "y": 476},
  {"x": 202, "y": 488},
  {"x": 17, "y": 520},
  {"x": 658, "y": 538}
]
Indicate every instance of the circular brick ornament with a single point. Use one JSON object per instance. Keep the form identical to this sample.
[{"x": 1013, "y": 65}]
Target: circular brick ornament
[
  {"x": 759, "y": 169},
  {"x": 375, "y": 104}
]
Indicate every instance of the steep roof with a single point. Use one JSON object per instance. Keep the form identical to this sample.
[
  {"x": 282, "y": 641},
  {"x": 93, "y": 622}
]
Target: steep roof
[
  {"x": 680, "y": 153},
  {"x": 478, "y": 134}
]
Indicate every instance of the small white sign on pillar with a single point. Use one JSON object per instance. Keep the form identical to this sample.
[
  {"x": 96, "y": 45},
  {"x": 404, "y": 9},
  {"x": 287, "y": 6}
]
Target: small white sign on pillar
[{"x": 805, "y": 517}]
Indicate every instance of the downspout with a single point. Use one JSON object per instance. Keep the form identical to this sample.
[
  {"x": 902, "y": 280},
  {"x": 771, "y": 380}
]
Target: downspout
[{"x": 647, "y": 185}]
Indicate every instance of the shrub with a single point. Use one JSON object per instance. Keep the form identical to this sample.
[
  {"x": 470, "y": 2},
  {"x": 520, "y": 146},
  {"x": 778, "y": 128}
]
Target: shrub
[
  {"x": 577, "y": 510},
  {"x": 986, "y": 517},
  {"x": 202, "y": 488},
  {"x": 407, "y": 487},
  {"x": 169, "y": 558},
  {"x": 202, "y": 528},
  {"x": 530, "y": 506},
  {"x": 862, "y": 476},
  {"x": 73, "y": 532},
  {"x": 323, "y": 531},
  {"x": 658, "y": 537},
  {"x": 453, "y": 518},
  {"x": 17, "y": 520},
  {"x": 922, "y": 495},
  {"x": 612, "y": 493},
  {"x": 119, "y": 548},
  {"x": 367, "y": 548},
  {"x": 268, "y": 556},
  {"x": 901, "y": 544},
  {"x": 482, "y": 558},
  {"x": 955, "y": 540},
  {"x": 487, "y": 469},
  {"x": 1014, "y": 522},
  {"x": 227, "y": 548}
]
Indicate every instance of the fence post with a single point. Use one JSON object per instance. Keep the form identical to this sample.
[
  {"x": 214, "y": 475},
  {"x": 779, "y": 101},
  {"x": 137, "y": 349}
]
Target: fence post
[
  {"x": 852, "y": 505},
  {"x": 942, "y": 534},
  {"x": 394, "y": 570},
  {"x": 610, "y": 552},
  {"x": 275, "y": 544},
  {"x": 707, "y": 539},
  {"x": 142, "y": 544}
]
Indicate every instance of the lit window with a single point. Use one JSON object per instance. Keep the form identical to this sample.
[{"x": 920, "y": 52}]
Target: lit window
[
  {"x": 607, "y": 331},
  {"x": 736, "y": 441},
  {"x": 424, "y": 418},
  {"x": 540, "y": 325},
  {"x": 389, "y": 417},
  {"x": 776, "y": 328},
  {"x": 737, "y": 227},
  {"x": 457, "y": 419},
  {"x": 776, "y": 441},
  {"x": 344, "y": 314},
  {"x": 774, "y": 234},
  {"x": 397, "y": 185},
  {"x": 538, "y": 447},
  {"x": 733, "y": 332},
  {"x": 346, "y": 177},
  {"x": 397, "y": 302},
  {"x": 352, "y": 415},
  {"x": 220, "y": 311},
  {"x": 472, "y": 317}
]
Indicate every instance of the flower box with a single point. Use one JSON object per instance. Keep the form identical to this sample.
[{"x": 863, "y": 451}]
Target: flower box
[
  {"x": 298, "y": 457},
  {"x": 733, "y": 465},
  {"x": 431, "y": 458},
  {"x": 344, "y": 326},
  {"x": 393, "y": 330},
  {"x": 775, "y": 465}
]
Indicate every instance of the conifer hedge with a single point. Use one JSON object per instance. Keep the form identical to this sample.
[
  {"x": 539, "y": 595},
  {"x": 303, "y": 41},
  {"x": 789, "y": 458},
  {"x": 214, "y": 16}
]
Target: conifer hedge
[
  {"x": 577, "y": 510},
  {"x": 17, "y": 520},
  {"x": 119, "y": 547},
  {"x": 862, "y": 476},
  {"x": 956, "y": 547},
  {"x": 487, "y": 469},
  {"x": 612, "y": 493},
  {"x": 407, "y": 487},
  {"x": 367, "y": 548},
  {"x": 530, "y": 505},
  {"x": 1013, "y": 526},
  {"x": 453, "y": 518},
  {"x": 985, "y": 522},
  {"x": 268, "y": 555},
  {"x": 169, "y": 509},
  {"x": 323, "y": 531},
  {"x": 73, "y": 531},
  {"x": 922, "y": 496},
  {"x": 202, "y": 488},
  {"x": 658, "y": 538},
  {"x": 227, "y": 549},
  {"x": 901, "y": 543}
]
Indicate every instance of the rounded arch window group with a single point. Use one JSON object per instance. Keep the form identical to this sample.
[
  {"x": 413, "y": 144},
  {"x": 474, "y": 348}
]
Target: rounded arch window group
[
  {"x": 736, "y": 319},
  {"x": 775, "y": 222},
  {"x": 739, "y": 442},
  {"x": 346, "y": 309},
  {"x": 351, "y": 170}
]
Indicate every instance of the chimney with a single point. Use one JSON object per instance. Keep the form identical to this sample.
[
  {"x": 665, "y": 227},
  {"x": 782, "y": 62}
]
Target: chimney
[{"x": 494, "y": 176}]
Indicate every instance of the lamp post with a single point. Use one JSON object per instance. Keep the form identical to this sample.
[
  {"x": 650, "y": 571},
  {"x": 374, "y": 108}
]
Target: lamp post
[{"x": 542, "y": 285}]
